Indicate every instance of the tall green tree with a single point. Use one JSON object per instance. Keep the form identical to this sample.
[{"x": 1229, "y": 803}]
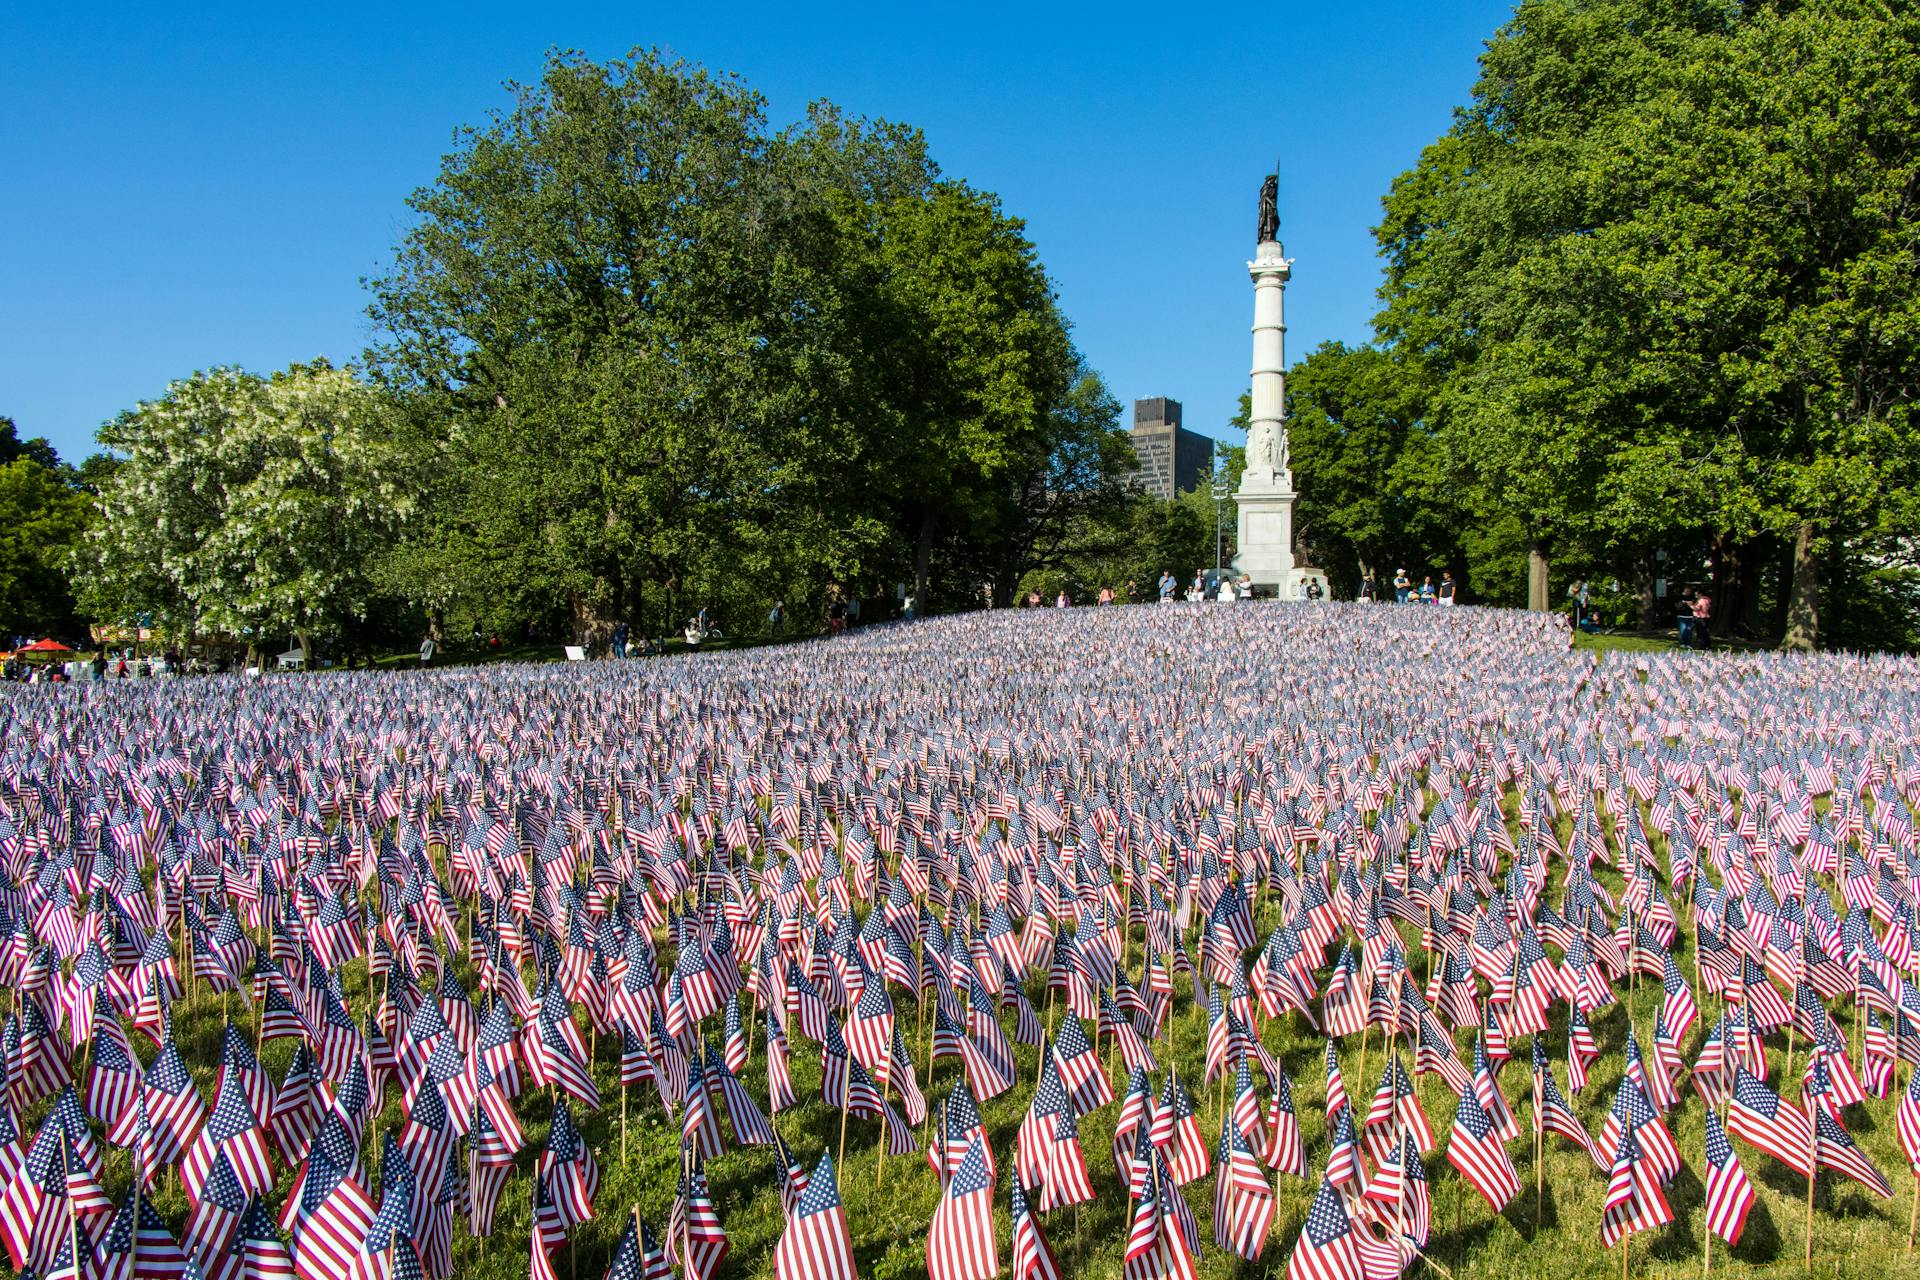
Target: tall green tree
[
  {"x": 665, "y": 356},
  {"x": 42, "y": 517},
  {"x": 1661, "y": 276},
  {"x": 1374, "y": 495},
  {"x": 248, "y": 505}
]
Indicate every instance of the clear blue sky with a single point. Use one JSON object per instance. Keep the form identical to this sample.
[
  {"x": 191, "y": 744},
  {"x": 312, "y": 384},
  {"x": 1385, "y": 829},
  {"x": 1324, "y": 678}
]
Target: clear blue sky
[{"x": 190, "y": 185}]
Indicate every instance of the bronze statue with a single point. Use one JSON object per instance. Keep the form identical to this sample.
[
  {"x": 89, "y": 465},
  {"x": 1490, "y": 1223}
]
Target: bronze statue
[{"x": 1269, "y": 209}]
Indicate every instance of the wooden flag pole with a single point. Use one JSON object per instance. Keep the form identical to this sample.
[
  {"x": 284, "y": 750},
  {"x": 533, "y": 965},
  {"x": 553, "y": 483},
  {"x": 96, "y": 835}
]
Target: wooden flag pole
[
  {"x": 1813, "y": 1167},
  {"x": 846, "y": 1085},
  {"x": 1539, "y": 1159},
  {"x": 73, "y": 1211},
  {"x": 1364, "y": 1029},
  {"x": 886, "y": 1084},
  {"x": 133, "y": 1248},
  {"x": 1913, "y": 1218}
]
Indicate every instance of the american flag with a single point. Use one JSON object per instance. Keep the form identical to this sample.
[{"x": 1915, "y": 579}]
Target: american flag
[
  {"x": 959, "y": 1129},
  {"x": 1328, "y": 1247},
  {"x": 388, "y": 1237},
  {"x": 637, "y": 1255},
  {"x": 256, "y": 1252},
  {"x": 1907, "y": 1121},
  {"x": 700, "y": 1126},
  {"x": 1634, "y": 1201},
  {"x": 138, "y": 1246},
  {"x": 1343, "y": 1159},
  {"x": 174, "y": 1106},
  {"x": 1081, "y": 1070},
  {"x": 1729, "y": 1194},
  {"x": 793, "y": 1178},
  {"x": 235, "y": 1131},
  {"x": 1474, "y": 1149},
  {"x": 1835, "y": 1148},
  {"x": 1553, "y": 1114},
  {"x": 1243, "y": 1202},
  {"x": 1336, "y": 1087},
  {"x": 327, "y": 1211},
  {"x": 1032, "y": 1256},
  {"x": 1398, "y": 1197},
  {"x": 1155, "y": 1247},
  {"x": 816, "y": 1244},
  {"x": 696, "y": 1237},
  {"x": 1778, "y": 1128},
  {"x": 1176, "y": 1131},
  {"x": 1285, "y": 1153},
  {"x": 960, "y": 1240},
  {"x": 215, "y": 1217}
]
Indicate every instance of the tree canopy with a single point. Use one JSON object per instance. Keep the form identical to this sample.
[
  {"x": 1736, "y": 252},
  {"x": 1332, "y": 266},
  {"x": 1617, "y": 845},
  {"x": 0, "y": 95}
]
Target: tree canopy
[
  {"x": 660, "y": 355},
  {"x": 1655, "y": 293},
  {"x": 247, "y": 505}
]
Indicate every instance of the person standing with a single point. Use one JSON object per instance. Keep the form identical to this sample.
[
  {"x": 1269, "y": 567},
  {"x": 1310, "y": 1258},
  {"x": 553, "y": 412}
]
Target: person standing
[
  {"x": 1402, "y": 584},
  {"x": 1366, "y": 588},
  {"x": 777, "y": 618},
  {"x": 1167, "y": 586},
  {"x": 1106, "y": 595},
  {"x": 1447, "y": 587},
  {"x": 1061, "y": 601},
  {"x": 426, "y": 652},
  {"x": 1426, "y": 589},
  {"x": 1702, "y": 617}
]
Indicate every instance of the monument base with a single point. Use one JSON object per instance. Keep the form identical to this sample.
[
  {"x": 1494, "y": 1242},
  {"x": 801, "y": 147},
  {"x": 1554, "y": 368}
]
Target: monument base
[{"x": 1265, "y": 532}]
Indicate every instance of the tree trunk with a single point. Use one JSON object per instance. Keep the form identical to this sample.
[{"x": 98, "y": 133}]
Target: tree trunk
[
  {"x": 1775, "y": 623},
  {"x": 592, "y": 620},
  {"x": 1646, "y": 605},
  {"x": 922, "y": 556},
  {"x": 1537, "y": 579},
  {"x": 1803, "y": 600},
  {"x": 306, "y": 649}
]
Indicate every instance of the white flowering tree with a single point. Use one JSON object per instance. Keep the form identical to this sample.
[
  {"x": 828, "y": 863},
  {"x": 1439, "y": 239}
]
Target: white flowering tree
[{"x": 248, "y": 505}]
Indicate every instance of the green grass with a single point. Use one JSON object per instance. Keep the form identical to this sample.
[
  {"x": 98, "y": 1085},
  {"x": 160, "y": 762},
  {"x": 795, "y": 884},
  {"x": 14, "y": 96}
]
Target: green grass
[
  {"x": 889, "y": 1202},
  {"x": 1628, "y": 642}
]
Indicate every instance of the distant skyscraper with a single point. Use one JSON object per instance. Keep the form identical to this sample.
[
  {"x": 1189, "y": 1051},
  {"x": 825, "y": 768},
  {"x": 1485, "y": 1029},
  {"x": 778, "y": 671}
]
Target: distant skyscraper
[{"x": 1172, "y": 458}]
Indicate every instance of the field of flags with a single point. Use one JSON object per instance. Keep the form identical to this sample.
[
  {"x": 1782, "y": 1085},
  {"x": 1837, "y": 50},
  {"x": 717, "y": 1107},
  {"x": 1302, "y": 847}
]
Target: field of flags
[{"x": 1336, "y": 942}]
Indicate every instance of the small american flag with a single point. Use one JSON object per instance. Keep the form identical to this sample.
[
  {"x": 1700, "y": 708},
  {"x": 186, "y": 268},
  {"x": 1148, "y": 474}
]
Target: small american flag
[
  {"x": 1634, "y": 1200},
  {"x": 1758, "y": 1114},
  {"x": 960, "y": 1241},
  {"x": 1032, "y": 1256},
  {"x": 816, "y": 1244},
  {"x": 1474, "y": 1149},
  {"x": 1328, "y": 1247},
  {"x": 1729, "y": 1194}
]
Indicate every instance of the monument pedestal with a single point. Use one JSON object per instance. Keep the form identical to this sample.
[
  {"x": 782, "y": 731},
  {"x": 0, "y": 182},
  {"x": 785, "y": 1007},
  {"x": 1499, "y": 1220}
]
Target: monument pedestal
[{"x": 1265, "y": 531}]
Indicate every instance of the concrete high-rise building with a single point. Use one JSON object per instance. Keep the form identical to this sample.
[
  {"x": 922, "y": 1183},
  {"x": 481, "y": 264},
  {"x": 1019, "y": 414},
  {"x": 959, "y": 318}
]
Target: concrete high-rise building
[{"x": 1172, "y": 458}]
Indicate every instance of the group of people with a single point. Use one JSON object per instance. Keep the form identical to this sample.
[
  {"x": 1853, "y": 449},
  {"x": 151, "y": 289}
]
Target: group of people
[
  {"x": 1224, "y": 589},
  {"x": 1444, "y": 592}
]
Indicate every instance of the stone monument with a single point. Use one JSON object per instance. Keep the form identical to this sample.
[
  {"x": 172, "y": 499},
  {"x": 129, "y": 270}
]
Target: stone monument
[{"x": 1266, "y": 495}]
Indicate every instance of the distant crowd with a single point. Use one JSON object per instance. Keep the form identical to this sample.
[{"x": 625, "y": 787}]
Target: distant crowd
[{"x": 1443, "y": 592}]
